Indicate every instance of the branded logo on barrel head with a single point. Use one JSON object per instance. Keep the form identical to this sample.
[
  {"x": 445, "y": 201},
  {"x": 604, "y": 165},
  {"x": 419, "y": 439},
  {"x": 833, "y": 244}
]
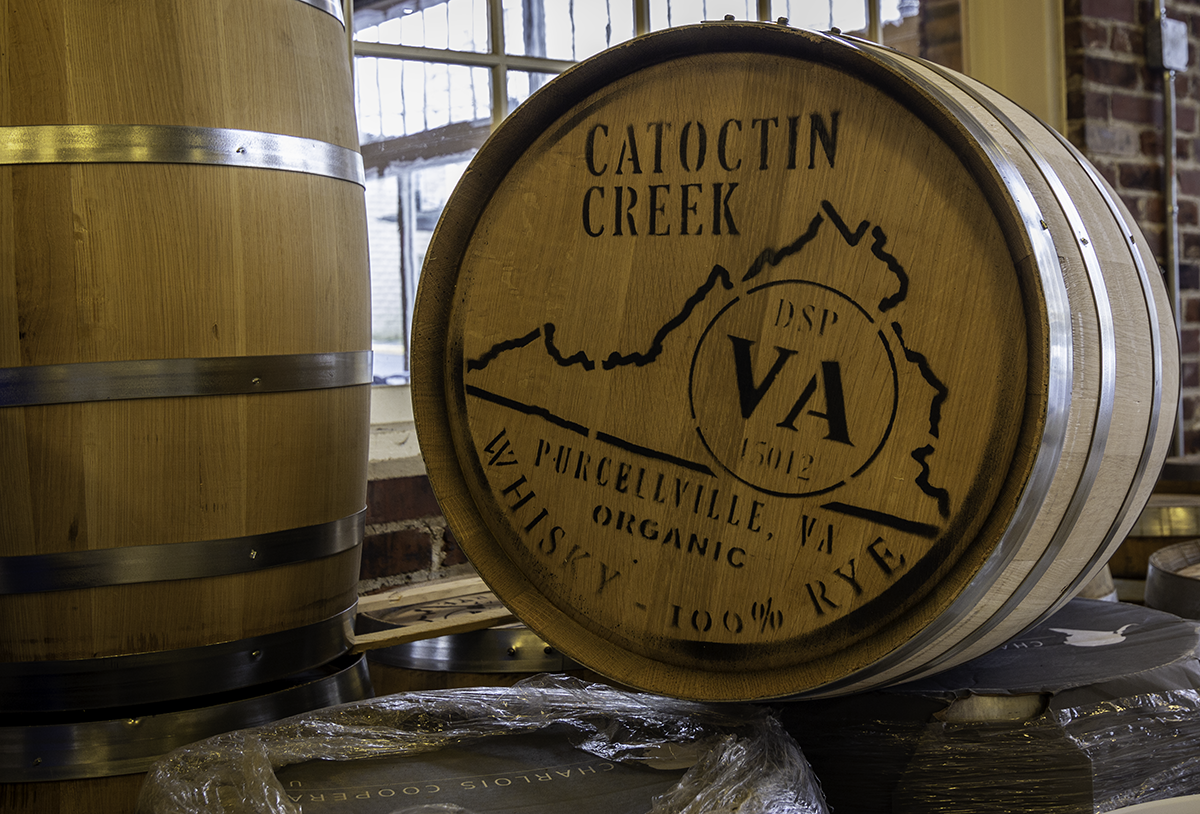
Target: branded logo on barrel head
[
  {"x": 706, "y": 389},
  {"x": 773, "y": 409}
]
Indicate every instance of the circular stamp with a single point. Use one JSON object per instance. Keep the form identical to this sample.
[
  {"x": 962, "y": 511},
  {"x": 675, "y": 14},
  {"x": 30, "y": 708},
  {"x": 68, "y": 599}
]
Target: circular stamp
[{"x": 808, "y": 402}]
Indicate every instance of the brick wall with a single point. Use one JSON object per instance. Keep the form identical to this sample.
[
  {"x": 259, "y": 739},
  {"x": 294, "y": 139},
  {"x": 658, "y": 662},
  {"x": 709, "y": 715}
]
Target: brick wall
[
  {"x": 406, "y": 539},
  {"x": 1115, "y": 116}
]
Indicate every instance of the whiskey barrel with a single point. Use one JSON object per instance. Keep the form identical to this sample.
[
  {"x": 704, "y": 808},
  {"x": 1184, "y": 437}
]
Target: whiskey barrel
[
  {"x": 1173, "y": 579},
  {"x": 66, "y": 763},
  {"x": 497, "y": 652},
  {"x": 184, "y": 348},
  {"x": 753, "y": 362}
]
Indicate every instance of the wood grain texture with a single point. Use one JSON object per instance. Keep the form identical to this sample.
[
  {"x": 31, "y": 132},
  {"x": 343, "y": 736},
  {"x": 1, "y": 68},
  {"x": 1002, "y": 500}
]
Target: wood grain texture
[
  {"x": 117, "y": 795},
  {"x": 151, "y": 617},
  {"x": 1098, "y": 486},
  {"x": 131, "y": 261},
  {"x": 273, "y": 66},
  {"x": 764, "y": 411}
]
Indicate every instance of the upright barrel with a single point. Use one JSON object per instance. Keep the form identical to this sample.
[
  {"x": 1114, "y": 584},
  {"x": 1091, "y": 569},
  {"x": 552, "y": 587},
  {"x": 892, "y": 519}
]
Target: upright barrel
[
  {"x": 184, "y": 348},
  {"x": 753, "y": 362}
]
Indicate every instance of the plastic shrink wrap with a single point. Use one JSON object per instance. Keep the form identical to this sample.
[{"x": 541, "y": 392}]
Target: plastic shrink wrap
[
  {"x": 1093, "y": 710},
  {"x": 707, "y": 758}
]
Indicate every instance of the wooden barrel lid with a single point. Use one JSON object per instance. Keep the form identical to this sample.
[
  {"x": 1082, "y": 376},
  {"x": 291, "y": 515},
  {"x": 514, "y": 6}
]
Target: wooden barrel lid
[
  {"x": 1173, "y": 579},
  {"x": 501, "y": 646},
  {"x": 721, "y": 364}
]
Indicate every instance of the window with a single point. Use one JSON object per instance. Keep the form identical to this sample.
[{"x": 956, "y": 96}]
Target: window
[{"x": 433, "y": 76}]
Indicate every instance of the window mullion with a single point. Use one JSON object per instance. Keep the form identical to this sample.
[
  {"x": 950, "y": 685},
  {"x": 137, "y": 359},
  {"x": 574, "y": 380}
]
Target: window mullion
[
  {"x": 499, "y": 73},
  {"x": 875, "y": 21},
  {"x": 641, "y": 17},
  {"x": 348, "y": 16},
  {"x": 470, "y": 58}
]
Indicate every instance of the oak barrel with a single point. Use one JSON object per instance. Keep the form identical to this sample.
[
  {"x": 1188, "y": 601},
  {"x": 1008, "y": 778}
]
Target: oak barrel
[
  {"x": 68, "y": 763},
  {"x": 481, "y": 645},
  {"x": 752, "y": 361},
  {"x": 184, "y": 348},
  {"x": 1173, "y": 579}
]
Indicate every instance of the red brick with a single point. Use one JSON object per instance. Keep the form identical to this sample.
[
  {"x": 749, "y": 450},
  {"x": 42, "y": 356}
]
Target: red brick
[
  {"x": 1185, "y": 119},
  {"x": 1073, "y": 68},
  {"x": 1075, "y": 104},
  {"x": 1140, "y": 109},
  {"x": 1191, "y": 245},
  {"x": 1118, "y": 142},
  {"x": 396, "y": 552},
  {"x": 1110, "y": 72},
  {"x": 1139, "y": 176},
  {"x": 400, "y": 499},
  {"x": 1191, "y": 309},
  {"x": 1189, "y": 276},
  {"x": 1076, "y": 134},
  {"x": 1128, "y": 40},
  {"x": 1152, "y": 209},
  {"x": 1092, "y": 34},
  {"x": 1151, "y": 143},
  {"x": 1189, "y": 340},
  {"x": 1106, "y": 170},
  {"x": 1188, "y": 214},
  {"x": 1073, "y": 34},
  {"x": 1123, "y": 10},
  {"x": 1097, "y": 104},
  {"x": 1145, "y": 208},
  {"x": 1131, "y": 203},
  {"x": 1189, "y": 182},
  {"x": 1190, "y": 374},
  {"x": 1154, "y": 239},
  {"x": 451, "y": 553},
  {"x": 1190, "y": 441},
  {"x": 1150, "y": 81}
]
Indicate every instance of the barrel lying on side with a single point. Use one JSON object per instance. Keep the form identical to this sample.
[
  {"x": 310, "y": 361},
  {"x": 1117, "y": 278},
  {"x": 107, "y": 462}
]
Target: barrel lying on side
[{"x": 751, "y": 361}]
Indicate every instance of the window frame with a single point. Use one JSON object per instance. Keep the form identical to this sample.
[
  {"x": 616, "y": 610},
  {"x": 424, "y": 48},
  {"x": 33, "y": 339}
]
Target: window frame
[
  {"x": 390, "y": 403},
  {"x": 499, "y": 63}
]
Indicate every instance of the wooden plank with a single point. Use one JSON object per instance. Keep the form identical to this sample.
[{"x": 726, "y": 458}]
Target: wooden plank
[
  {"x": 421, "y": 592},
  {"x": 430, "y": 629}
]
